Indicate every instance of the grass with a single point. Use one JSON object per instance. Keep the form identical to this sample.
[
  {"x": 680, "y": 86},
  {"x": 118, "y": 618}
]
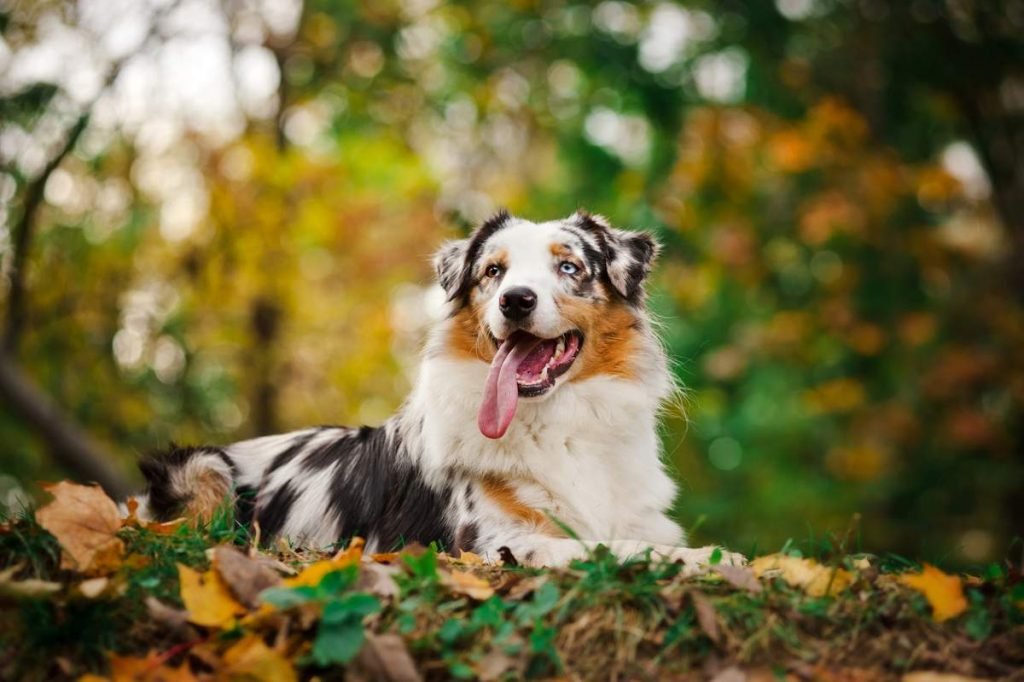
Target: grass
[{"x": 599, "y": 619}]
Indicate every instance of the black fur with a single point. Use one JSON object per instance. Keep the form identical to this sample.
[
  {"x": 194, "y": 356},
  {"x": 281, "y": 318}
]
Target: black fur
[
  {"x": 476, "y": 243},
  {"x": 272, "y": 514}
]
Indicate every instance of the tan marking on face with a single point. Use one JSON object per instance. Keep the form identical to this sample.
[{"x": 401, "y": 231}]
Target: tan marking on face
[
  {"x": 501, "y": 492},
  {"x": 496, "y": 257},
  {"x": 466, "y": 335},
  {"x": 611, "y": 338}
]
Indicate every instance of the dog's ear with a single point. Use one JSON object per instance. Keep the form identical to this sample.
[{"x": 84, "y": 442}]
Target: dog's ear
[
  {"x": 628, "y": 255},
  {"x": 450, "y": 264}
]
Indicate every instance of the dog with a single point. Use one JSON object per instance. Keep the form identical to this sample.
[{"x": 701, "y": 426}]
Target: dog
[{"x": 531, "y": 428}]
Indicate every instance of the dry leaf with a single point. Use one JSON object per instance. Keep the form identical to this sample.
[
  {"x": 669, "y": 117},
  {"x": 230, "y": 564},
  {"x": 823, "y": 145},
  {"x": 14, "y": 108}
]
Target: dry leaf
[
  {"x": 251, "y": 659},
  {"x": 932, "y": 676},
  {"x": 85, "y": 522},
  {"x": 24, "y": 589},
  {"x": 470, "y": 559},
  {"x": 944, "y": 592},
  {"x": 386, "y": 658},
  {"x": 379, "y": 580},
  {"x": 493, "y": 665},
  {"x": 470, "y": 585},
  {"x": 706, "y": 616},
  {"x": 207, "y": 599},
  {"x": 93, "y": 587},
  {"x": 166, "y": 615},
  {"x": 166, "y": 527},
  {"x": 148, "y": 669},
  {"x": 807, "y": 574},
  {"x": 352, "y": 554},
  {"x": 738, "y": 576},
  {"x": 311, "y": 575},
  {"x": 245, "y": 577}
]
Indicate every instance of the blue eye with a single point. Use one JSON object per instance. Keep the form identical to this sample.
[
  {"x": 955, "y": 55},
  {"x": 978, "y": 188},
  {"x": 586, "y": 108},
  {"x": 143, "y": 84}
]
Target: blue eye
[{"x": 568, "y": 268}]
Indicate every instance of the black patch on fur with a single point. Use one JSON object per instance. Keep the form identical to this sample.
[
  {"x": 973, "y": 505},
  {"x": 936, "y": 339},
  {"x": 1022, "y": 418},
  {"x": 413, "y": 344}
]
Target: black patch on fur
[
  {"x": 637, "y": 249},
  {"x": 477, "y": 240},
  {"x": 377, "y": 492},
  {"x": 289, "y": 453},
  {"x": 245, "y": 504},
  {"x": 272, "y": 514},
  {"x": 507, "y": 557},
  {"x": 466, "y": 537},
  {"x": 164, "y": 502}
]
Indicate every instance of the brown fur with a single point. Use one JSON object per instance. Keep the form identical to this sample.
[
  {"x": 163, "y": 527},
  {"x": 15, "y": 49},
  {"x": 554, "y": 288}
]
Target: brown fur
[
  {"x": 467, "y": 337},
  {"x": 210, "y": 491},
  {"x": 503, "y": 494},
  {"x": 611, "y": 337}
]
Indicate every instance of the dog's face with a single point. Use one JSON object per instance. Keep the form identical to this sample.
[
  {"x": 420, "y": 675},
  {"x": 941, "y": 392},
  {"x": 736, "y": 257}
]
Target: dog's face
[{"x": 544, "y": 304}]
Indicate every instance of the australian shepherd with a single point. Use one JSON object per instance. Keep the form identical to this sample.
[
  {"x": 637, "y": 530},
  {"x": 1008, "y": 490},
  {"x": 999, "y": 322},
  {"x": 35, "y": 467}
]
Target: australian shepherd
[{"x": 531, "y": 429}]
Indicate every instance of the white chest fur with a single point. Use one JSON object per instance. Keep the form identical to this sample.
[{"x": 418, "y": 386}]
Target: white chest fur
[{"x": 588, "y": 453}]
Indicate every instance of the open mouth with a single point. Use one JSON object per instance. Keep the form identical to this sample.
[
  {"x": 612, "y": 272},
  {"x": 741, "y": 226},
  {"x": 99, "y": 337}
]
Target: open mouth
[{"x": 524, "y": 366}]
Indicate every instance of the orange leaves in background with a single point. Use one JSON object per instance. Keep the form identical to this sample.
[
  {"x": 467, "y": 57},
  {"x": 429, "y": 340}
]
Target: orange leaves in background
[
  {"x": 944, "y": 592},
  {"x": 85, "y": 522}
]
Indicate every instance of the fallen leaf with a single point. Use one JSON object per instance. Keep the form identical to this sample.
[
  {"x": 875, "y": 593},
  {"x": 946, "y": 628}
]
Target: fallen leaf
[
  {"x": 30, "y": 588},
  {"x": 493, "y": 665},
  {"x": 932, "y": 676},
  {"x": 251, "y": 659},
  {"x": 311, "y": 575},
  {"x": 245, "y": 577},
  {"x": 148, "y": 669},
  {"x": 93, "y": 587},
  {"x": 166, "y": 615},
  {"x": 810, "y": 576},
  {"x": 386, "y": 658},
  {"x": 207, "y": 599},
  {"x": 470, "y": 585},
  {"x": 378, "y": 579},
  {"x": 385, "y": 557},
  {"x": 166, "y": 527},
  {"x": 352, "y": 554},
  {"x": 944, "y": 592},
  {"x": 85, "y": 522},
  {"x": 470, "y": 559},
  {"x": 738, "y": 576},
  {"x": 706, "y": 616}
]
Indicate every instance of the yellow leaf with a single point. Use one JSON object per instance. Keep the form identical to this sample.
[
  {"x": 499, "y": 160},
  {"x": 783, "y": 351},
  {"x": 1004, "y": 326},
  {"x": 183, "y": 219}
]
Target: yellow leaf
[
  {"x": 148, "y": 669},
  {"x": 311, "y": 575},
  {"x": 944, "y": 592},
  {"x": 810, "y": 576},
  {"x": 85, "y": 522},
  {"x": 352, "y": 554},
  {"x": 470, "y": 585},
  {"x": 251, "y": 659},
  {"x": 470, "y": 559},
  {"x": 207, "y": 599}
]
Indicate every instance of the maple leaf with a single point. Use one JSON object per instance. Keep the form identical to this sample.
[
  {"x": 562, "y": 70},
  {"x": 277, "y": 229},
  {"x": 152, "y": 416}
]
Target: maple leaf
[
  {"x": 207, "y": 598},
  {"x": 85, "y": 522},
  {"x": 944, "y": 592},
  {"x": 807, "y": 574}
]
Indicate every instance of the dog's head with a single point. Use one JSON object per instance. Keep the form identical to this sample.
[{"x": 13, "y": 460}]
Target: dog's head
[{"x": 544, "y": 304}]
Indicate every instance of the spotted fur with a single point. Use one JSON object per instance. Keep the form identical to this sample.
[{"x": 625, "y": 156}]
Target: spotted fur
[{"x": 583, "y": 456}]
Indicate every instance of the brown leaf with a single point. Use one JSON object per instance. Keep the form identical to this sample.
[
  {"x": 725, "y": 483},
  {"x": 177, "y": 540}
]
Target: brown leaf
[
  {"x": 386, "y": 657},
  {"x": 470, "y": 585},
  {"x": 932, "y": 676},
  {"x": 173, "y": 618},
  {"x": 707, "y": 618},
  {"x": 807, "y": 574},
  {"x": 245, "y": 577},
  {"x": 207, "y": 599},
  {"x": 93, "y": 587},
  {"x": 251, "y": 659},
  {"x": 944, "y": 592},
  {"x": 493, "y": 665},
  {"x": 738, "y": 576},
  {"x": 378, "y": 579},
  {"x": 85, "y": 522},
  {"x": 148, "y": 669}
]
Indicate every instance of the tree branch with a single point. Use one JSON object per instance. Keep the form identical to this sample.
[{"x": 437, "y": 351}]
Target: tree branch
[
  {"x": 71, "y": 447},
  {"x": 22, "y": 235}
]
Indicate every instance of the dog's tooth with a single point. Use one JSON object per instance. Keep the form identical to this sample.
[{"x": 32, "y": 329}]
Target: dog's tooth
[
  {"x": 544, "y": 373},
  {"x": 560, "y": 348}
]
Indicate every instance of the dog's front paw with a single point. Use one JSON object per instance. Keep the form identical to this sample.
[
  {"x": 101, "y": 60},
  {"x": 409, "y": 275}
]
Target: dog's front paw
[{"x": 698, "y": 559}]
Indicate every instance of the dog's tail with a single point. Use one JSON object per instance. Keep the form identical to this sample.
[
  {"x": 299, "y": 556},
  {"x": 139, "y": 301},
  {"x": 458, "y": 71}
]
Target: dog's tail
[{"x": 185, "y": 481}]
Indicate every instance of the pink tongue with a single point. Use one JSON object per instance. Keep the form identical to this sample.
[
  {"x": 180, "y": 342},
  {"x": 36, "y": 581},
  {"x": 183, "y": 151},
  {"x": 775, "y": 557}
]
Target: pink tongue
[{"x": 501, "y": 394}]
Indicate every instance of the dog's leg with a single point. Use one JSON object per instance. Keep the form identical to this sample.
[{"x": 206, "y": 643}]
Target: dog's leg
[{"x": 543, "y": 550}]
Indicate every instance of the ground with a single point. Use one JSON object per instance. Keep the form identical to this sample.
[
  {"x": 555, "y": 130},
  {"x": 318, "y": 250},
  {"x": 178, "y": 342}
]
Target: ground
[{"x": 87, "y": 594}]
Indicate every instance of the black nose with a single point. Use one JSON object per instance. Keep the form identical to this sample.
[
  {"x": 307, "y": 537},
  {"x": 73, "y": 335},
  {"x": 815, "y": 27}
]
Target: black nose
[{"x": 517, "y": 303}]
